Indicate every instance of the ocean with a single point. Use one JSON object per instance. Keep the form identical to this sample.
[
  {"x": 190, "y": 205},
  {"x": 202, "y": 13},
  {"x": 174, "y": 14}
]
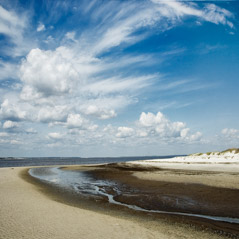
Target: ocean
[{"x": 51, "y": 161}]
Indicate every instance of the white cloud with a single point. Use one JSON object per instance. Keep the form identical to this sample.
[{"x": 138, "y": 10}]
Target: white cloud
[
  {"x": 48, "y": 72},
  {"x": 55, "y": 135},
  {"x": 149, "y": 119},
  {"x": 131, "y": 17},
  {"x": 230, "y": 133},
  {"x": 195, "y": 137},
  {"x": 41, "y": 27},
  {"x": 12, "y": 111},
  {"x": 76, "y": 121},
  {"x": 184, "y": 132},
  {"x": 142, "y": 133},
  {"x": 67, "y": 77},
  {"x": 116, "y": 84},
  {"x": 210, "y": 12},
  {"x": 11, "y": 24},
  {"x": 52, "y": 113},
  {"x": 159, "y": 125},
  {"x": 108, "y": 105},
  {"x": 14, "y": 26},
  {"x": 217, "y": 15},
  {"x": 99, "y": 112},
  {"x": 124, "y": 132},
  {"x": 10, "y": 124},
  {"x": 178, "y": 9}
]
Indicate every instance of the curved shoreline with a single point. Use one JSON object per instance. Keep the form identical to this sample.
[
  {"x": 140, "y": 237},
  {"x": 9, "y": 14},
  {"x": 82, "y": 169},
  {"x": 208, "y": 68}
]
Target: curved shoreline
[
  {"x": 53, "y": 175},
  {"x": 101, "y": 205}
]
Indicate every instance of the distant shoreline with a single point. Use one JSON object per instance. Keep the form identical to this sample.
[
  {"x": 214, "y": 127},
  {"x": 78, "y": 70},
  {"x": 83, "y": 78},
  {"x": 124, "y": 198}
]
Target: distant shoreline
[{"x": 50, "y": 161}]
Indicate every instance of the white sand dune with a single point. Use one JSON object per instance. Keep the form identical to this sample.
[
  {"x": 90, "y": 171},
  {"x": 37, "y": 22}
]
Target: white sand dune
[{"x": 227, "y": 161}]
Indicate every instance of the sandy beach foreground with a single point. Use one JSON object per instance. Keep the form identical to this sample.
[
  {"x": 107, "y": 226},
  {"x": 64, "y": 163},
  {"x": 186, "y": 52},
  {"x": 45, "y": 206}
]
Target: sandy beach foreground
[{"x": 27, "y": 211}]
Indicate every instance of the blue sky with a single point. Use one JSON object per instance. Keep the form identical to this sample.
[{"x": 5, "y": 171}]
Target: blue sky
[{"x": 117, "y": 78}]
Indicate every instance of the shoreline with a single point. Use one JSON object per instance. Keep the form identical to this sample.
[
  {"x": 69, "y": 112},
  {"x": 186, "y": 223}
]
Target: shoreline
[{"x": 137, "y": 177}]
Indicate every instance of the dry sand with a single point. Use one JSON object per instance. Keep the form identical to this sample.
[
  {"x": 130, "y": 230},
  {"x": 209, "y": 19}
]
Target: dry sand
[
  {"x": 214, "y": 179},
  {"x": 216, "y": 172},
  {"x": 26, "y": 212}
]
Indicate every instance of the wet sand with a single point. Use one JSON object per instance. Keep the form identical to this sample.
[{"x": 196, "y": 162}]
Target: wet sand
[
  {"x": 31, "y": 209},
  {"x": 196, "y": 192}
]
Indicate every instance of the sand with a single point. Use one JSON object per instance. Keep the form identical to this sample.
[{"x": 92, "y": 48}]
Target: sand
[
  {"x": 219, "y": 179},
  {"x": 217, "y": 171},
  {"x": 26, "y": 212}
]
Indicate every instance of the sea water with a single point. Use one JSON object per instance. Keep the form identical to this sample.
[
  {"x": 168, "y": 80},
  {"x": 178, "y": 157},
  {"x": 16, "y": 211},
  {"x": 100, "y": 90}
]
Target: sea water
[{"x": 50, "y": 161}]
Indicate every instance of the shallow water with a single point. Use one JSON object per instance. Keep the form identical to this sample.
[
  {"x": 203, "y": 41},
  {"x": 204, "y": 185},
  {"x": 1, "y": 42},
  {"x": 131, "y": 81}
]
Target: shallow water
[{"x": 82, "y": 183}]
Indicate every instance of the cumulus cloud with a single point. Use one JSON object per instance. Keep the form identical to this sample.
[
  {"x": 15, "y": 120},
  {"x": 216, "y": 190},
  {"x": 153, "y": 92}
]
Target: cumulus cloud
[
  {"x": 158, "y": 124},
  {"x": 11, "y": 111},
  {"x": 124, "y": 132},
  {"x": 99, "y": 112},
  {"x": 75, "y": 121},
  {"x": 48, "y": 72},
  {"x": 10, "y": 124}
]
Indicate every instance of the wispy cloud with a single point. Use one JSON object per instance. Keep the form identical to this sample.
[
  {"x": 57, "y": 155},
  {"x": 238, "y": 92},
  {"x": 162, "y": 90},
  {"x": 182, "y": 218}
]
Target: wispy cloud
[
  {"x": 11, "y": 24},
  {"x": 210, "y": 12},
  {"x": 14, "y": 25}
]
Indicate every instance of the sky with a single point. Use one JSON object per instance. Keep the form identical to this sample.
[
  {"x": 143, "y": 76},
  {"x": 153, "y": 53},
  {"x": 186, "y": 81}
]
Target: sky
[{"x": 118, "y": 77}]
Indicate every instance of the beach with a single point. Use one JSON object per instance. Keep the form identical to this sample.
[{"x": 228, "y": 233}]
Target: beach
[
  {"x": 26, "y": 212},
  {"x": 30, "y": 209}
]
